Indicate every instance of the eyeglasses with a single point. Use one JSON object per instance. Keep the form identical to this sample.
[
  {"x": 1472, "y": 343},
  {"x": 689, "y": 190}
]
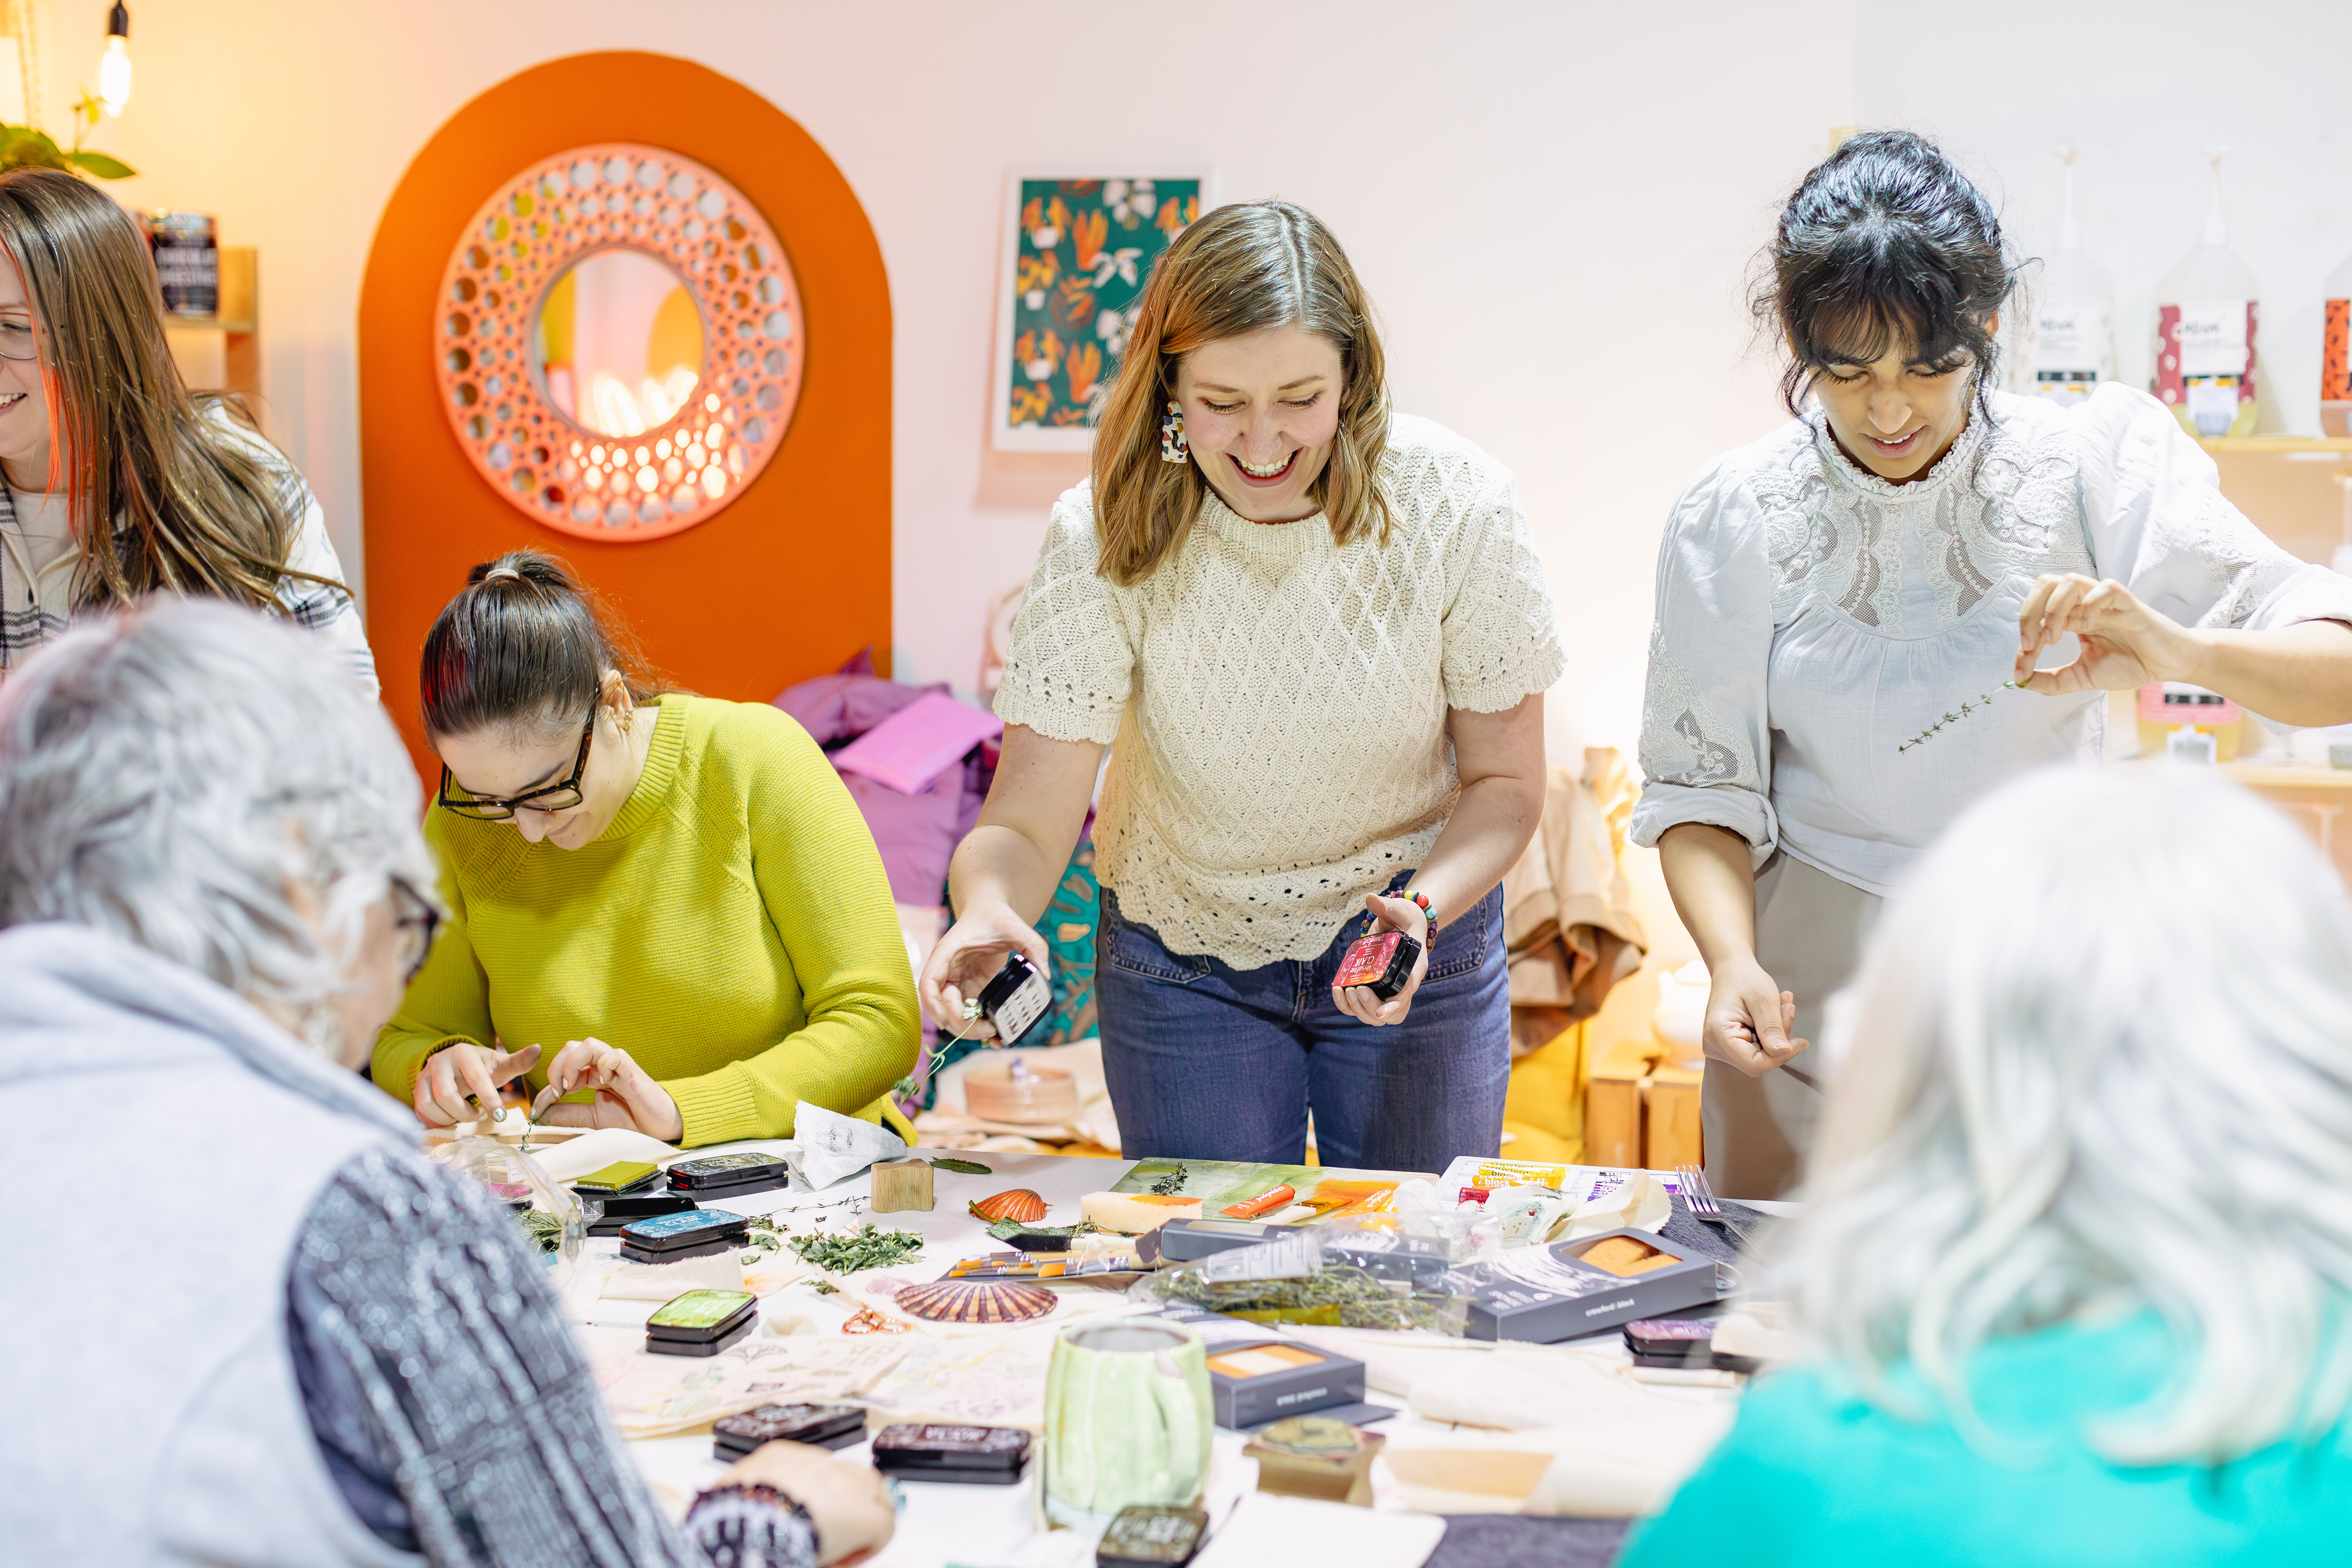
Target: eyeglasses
[
  {"x": 415, "y": 922},
  {"x": 18, "y": 341},
  {"x": 554, "y": 797}
]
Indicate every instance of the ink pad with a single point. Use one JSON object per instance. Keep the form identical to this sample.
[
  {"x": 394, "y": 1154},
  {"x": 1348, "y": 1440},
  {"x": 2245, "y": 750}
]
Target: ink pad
[
  {"x": 732, "y": 1337},
  {"x": 827, "y": 1425},
  {"x": 1146, "y": 1536},
  {"x": 607, "y": 1217},
  {"x": 701, "y": 1315},
  {"x": 625, "y": 1176},
  {"x": 976, "y": 1456},
  {"x": 1381, "y": 962},
  {"x": 723, "y": 1174},
  {"x": 668, "y": 1237},
  {"x": 1016, "y": 999},
  {"x": 1671, "y": 1341}
]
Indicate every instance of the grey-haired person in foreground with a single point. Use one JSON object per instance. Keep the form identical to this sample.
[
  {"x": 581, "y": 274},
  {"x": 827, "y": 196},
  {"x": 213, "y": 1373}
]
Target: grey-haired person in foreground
[{"x": 248, "y": 1320}]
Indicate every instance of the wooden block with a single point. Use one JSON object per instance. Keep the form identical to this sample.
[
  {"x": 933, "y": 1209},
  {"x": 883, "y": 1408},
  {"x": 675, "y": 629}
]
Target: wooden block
[
  {"x": 900, "y": 1185},
  {"x": 1670, "y": 1119},
  {"x": 1316, "y": 1456},
  {"x": 1613, "y": 1106}
]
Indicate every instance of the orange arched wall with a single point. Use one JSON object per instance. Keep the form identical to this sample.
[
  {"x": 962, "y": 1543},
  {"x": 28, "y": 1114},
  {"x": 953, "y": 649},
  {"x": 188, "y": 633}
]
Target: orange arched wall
[{"x": 788, "y": 581}]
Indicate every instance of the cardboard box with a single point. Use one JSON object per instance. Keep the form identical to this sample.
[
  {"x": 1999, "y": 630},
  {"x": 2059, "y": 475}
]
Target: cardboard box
[
  {"x": 1544, "y": 1294},
  {"x": 1252, "y": 1382}
]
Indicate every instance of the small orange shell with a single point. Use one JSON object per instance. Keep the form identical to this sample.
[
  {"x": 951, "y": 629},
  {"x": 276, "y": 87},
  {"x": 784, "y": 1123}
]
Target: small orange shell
[{"x": 1020, "y": 1204}]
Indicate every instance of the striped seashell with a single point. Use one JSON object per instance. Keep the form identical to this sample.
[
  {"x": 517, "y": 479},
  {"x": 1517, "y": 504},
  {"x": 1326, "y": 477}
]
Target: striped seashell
[
  {"x": 1019, "y": 1205},
  {"x": 975, "y": 1301}
]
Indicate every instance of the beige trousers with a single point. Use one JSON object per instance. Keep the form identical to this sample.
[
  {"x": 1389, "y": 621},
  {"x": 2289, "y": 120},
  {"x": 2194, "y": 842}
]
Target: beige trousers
[{"x": 1809, "y": 934}]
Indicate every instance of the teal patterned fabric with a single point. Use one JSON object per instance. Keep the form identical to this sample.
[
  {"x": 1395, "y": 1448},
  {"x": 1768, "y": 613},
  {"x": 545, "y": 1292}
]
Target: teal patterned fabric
[{"x": 1068, "y": 927}]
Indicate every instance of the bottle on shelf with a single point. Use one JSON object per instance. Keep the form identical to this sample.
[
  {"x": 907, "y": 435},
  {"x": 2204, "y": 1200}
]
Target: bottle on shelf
[
  {"x": 2336, "y": 356},
  {"x": 2071, "y": 345},
  {"x": 2206, "y": 311}
]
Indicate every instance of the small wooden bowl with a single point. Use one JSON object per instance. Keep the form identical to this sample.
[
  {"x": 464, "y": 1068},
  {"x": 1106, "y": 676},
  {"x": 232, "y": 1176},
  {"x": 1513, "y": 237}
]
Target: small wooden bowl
[{"x": 1041, "y": 1096}]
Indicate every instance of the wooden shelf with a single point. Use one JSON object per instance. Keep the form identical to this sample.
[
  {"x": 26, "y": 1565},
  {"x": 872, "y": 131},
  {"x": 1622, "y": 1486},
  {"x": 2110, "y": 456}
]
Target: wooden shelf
[
  {"x": 223, "y": 353},
  {"x": 2275, "y": 446},
  {"x": 2287, "y": 775}
]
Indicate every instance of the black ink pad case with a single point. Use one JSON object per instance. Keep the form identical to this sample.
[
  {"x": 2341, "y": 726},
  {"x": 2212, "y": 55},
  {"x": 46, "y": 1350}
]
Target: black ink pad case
[
  {"x": 1146, "y": 1536},
  {"x": 827, "y": 1425},
  {"x": 1381, "y": 962},
  {"x": 670, "y": 1237},
  {"x": 1671, "y": 1341},
  {"x": 1016, "y": 999},
  {"x": 701, "y": 1323},
  {"x": 1183, "y": 1240},
  {"x": 722, "y": 1174},
  {"x": 607, "y": 1215},
  {"x": 1254, "y": 1381},
  {"x": 977, "y": 1455}
]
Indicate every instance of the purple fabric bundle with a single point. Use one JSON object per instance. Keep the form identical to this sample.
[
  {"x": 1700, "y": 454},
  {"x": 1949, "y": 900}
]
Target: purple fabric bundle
[{"x": 915, "y": 833}]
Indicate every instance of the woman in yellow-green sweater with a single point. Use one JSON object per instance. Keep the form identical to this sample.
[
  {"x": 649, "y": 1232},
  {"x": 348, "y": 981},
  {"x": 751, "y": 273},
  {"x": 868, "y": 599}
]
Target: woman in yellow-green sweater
[{"x": 664, "y": 908}]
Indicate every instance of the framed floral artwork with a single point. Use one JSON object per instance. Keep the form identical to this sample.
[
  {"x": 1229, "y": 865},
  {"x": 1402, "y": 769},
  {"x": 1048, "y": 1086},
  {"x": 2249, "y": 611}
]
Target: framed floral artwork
[{"x": 1079, "y": 249}]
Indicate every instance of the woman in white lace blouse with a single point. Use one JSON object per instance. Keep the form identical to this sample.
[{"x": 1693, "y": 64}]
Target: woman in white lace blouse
[
  {"x": 1316, "y": 637},
  {"x": 1839, "y": 604}
]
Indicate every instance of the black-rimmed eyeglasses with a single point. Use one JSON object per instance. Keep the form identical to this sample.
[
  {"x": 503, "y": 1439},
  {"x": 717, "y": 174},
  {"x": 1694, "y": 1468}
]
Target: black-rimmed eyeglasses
[
  {"x": 414, "y": 919},
  {"x": 554, "y": 797}
]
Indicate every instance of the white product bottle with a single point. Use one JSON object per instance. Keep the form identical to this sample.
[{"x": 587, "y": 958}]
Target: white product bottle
[
  {"x": 2071, "y": 346},
  {"x": 2206, "y": 311}
]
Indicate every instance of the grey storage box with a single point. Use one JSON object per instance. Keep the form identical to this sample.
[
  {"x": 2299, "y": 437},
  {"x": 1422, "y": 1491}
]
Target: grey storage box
[
  {"x": 1253, "y": 1382},
  {"x": 1544, "y": 1294}
]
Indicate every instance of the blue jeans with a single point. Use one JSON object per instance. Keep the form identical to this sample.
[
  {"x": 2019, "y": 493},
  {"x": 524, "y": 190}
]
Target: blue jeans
[{"x": 1206, "y": 1061}]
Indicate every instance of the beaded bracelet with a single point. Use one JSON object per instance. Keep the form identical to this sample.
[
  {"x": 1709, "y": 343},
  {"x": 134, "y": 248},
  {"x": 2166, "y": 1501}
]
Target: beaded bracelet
[{"x": 1429, "y": 913}]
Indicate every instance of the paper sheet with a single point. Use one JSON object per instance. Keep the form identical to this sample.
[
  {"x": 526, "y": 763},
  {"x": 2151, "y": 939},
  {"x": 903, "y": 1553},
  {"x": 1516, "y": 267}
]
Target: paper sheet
[
  {"x": 1270, "y": 1529},
  {"x": 650, "y": 1394}
]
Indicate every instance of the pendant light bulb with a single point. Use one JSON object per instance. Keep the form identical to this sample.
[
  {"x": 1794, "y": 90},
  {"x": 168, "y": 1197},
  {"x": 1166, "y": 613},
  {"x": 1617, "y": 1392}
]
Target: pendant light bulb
[{"x": 114, "y": 66}]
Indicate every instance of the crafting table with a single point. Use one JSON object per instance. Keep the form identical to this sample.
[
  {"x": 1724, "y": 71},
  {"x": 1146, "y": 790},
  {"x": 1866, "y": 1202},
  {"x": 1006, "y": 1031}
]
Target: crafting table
[{"x": 978, "y": 1526}]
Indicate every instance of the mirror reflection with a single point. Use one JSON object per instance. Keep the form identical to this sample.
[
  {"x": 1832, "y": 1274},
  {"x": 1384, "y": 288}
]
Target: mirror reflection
[{"x": 618, "y": 343}]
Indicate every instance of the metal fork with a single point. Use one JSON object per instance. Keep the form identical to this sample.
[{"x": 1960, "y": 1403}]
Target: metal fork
[{"x": 1700, "y": 1197}]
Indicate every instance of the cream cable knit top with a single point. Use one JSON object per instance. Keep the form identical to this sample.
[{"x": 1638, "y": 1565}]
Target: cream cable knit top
[{"x": 1275, "y": 705}]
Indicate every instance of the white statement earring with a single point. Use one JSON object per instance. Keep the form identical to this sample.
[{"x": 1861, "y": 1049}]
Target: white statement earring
[{"x": 1173, "y": 448}]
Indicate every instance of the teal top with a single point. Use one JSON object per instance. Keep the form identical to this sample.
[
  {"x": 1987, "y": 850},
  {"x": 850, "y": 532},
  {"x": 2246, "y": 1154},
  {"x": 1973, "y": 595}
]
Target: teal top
[{"x": 1811, "y": 1474}]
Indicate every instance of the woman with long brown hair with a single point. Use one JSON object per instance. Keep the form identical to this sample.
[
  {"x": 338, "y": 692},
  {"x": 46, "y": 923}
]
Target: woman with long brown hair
[
  {"x": 119, "y": 481},
  {"x": 1320, "y": 637}
]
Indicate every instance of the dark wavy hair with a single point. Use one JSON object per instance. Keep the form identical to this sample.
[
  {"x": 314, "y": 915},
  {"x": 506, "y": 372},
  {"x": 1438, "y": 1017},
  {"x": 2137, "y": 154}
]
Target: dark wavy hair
[{"x": 1886, "y": 242}]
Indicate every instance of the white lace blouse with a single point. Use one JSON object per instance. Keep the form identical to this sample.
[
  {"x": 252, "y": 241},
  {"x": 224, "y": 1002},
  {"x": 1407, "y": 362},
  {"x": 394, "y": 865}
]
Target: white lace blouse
[{"x": 1812, "y": 618}]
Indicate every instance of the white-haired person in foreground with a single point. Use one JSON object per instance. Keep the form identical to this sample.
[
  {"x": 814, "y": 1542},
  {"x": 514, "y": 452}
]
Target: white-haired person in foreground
[
  {"x": 246, "y": 1322},
  {"x": 2075, "y": 1257}
]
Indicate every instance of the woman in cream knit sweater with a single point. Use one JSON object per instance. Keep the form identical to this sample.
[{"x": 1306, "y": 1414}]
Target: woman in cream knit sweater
[{"x": 1316, "y": 637}]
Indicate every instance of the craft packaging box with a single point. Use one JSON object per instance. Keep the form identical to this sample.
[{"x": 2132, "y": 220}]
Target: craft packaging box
[
  {"x": 1315, "y": 1379},
  {"x": 1543, "y": 1294}
]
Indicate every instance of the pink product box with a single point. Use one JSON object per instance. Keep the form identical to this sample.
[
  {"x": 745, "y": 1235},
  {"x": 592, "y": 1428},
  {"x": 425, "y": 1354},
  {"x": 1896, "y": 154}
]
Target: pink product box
[{"x": 917, "y": 743}]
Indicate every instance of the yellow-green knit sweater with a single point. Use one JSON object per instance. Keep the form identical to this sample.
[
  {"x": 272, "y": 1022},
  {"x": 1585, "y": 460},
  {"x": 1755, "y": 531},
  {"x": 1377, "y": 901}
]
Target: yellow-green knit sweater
[{"x": 731, "y": 929}]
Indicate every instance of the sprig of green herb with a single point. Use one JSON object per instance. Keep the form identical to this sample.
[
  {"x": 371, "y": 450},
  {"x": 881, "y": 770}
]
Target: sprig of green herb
[
  {"x": 863, "y": 1248},
  {"x": 1336, "y": 1293},
  {"x": 962, "y": 1167},
  {"x": 545, "y": 1230},
  {"x": 1171, "y": 1184}
]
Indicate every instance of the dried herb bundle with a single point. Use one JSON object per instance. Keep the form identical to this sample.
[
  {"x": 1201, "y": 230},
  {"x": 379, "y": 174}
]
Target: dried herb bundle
[
  {"x": 545, "y": 1231},
  {"x": 1336, "y": 1293},
  {"x": 865, "y": 1247}
]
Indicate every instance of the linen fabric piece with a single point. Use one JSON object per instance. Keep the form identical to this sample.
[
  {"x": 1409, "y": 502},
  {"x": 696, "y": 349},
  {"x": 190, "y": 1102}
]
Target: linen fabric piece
[
  {"x": 731, "y": 929},
  {"x": 37, "y": 568},
  {"x": 1812, "y": 618},
  {"x": 1276, "y": 703}
]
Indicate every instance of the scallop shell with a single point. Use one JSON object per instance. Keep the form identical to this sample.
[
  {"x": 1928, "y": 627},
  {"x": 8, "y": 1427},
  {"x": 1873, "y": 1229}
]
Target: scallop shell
[
  {"x": 975, "y": 1301},
  {"x": 1020, "y": 1204}
]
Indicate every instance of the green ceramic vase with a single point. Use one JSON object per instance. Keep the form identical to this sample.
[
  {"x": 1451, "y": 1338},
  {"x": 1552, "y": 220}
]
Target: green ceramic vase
[{"x": 1128, "y": 1419}]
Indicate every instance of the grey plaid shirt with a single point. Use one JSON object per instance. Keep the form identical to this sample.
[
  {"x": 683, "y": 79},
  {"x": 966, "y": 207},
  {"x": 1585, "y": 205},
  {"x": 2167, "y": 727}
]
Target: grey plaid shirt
[{"x": 34, "y": 611}]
